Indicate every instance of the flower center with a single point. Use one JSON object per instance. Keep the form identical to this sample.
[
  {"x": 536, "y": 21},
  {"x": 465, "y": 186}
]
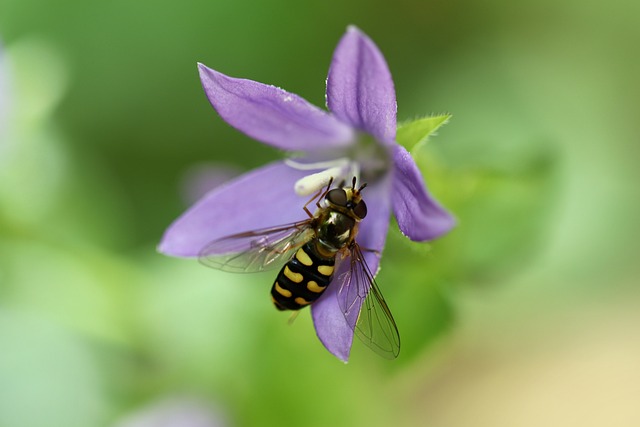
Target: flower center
[{"x": 366, "y": 160}]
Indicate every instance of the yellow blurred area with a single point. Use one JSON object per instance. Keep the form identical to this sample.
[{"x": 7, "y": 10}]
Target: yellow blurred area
[{"x": 573, "y": 365}]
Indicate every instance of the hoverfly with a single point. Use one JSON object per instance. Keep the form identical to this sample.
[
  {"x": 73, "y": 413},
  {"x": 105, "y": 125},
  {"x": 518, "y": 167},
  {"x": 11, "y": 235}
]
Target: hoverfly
[{"x": 309, "y": 250}]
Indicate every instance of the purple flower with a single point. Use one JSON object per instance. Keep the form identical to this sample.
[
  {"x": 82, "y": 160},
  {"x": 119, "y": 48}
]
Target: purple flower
[{"x": 356, "y": 138}]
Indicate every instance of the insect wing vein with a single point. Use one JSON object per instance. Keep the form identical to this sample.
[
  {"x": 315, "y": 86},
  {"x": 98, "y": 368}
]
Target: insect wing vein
[
  {"x": 258, "y": 250},
  {"x": 360, "y": 296}
]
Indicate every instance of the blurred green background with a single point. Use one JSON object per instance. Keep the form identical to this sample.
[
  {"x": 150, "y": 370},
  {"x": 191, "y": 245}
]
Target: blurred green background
[{"x": 527, "y": 314}]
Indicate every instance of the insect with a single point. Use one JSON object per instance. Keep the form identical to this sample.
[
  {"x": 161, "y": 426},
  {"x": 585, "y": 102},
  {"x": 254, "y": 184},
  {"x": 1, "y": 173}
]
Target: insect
[{"x": 307, "y": 253}]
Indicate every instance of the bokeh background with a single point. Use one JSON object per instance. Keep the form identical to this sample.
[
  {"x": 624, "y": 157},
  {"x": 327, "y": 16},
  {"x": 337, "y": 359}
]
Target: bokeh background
[{"x": 526, "y": 315}]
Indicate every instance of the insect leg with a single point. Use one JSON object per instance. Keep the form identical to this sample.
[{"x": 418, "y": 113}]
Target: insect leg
[
  {"x": 325, "y": 193},
  {"x": 315, "y": 196},
  {"x": 293, "y": 317},
  {"x": 319, "y": 195}
]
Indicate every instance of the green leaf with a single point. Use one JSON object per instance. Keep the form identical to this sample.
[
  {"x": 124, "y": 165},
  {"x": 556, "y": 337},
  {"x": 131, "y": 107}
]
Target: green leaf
[{"x": 412, "y": 135}]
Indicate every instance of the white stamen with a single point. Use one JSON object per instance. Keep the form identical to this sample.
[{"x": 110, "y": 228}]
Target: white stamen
[
  {"x": 340, "y": 162},
  {"x": 340, "y": 169},
  {"x": 314, "y": 182}
]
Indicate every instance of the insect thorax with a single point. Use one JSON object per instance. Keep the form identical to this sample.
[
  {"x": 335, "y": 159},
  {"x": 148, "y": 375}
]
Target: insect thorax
[{"x": 335, "y": 231}]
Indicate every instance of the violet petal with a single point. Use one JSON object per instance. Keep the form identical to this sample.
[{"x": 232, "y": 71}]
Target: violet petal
[
  {"x": 261, "y": 198},
  {"x": 420, "y": 217},
  {"x": 203, "y": 177},
  {"x": 360, "y": 89},
  {"x": 331, "y": 326},
  {"x": 333, "y": 329},
  {"x": 272, "y": 115}
]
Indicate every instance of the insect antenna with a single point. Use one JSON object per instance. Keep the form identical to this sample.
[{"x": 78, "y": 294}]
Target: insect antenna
[
  {"x": 353, "y": 186},
  {"x": 328, "y": 188},
  {"x": 361, "y": 187}
]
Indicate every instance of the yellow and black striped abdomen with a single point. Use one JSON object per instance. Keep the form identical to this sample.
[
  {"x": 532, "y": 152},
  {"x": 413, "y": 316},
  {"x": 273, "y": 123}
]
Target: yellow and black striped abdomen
[{"x": 303, "y": 279}]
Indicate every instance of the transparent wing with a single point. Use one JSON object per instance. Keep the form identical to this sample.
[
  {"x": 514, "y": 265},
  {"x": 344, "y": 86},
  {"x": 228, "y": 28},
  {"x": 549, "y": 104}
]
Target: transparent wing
[
  {"x": 258, "y": 250},
  {"x": 363, "y": 305}
]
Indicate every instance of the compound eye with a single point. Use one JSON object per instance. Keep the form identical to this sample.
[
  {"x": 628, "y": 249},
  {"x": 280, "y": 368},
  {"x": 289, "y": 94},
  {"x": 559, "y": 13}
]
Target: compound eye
[
  {"x": 338, "y": 197},
  {"x": 360, "y": 210}
]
